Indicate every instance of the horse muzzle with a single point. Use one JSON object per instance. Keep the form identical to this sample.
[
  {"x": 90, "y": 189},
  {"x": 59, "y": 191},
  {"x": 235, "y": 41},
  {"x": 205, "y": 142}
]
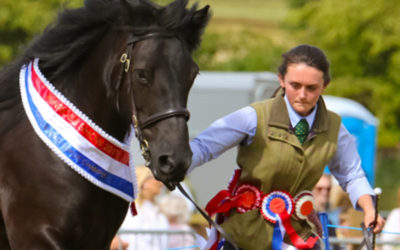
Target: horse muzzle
[{"x": 171, "y": 170}]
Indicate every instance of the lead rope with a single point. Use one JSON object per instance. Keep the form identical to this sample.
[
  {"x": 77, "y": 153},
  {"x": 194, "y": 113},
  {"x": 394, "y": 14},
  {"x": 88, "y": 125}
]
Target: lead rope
[{"x": 205, "y": 215}]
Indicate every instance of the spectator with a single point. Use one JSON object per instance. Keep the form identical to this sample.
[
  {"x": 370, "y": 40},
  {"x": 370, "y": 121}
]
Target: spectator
[
  {"x": 348, "y": 216},
  {"x": 118, "y": 244},
  {"x": 175, "y": 208},
  {"x": 321, "y": 193},
  {"x": 149, "y": 216},
  {"x": 201, "y": 226}
]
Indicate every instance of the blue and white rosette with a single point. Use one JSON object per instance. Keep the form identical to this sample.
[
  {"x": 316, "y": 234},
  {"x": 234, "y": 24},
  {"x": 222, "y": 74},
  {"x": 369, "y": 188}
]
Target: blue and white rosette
[{"x": 272, "y": 205}]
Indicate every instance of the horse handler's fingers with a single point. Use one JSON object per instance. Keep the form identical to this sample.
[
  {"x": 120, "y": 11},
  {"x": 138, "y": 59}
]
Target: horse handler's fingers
[{"x": 380, "y": 223}]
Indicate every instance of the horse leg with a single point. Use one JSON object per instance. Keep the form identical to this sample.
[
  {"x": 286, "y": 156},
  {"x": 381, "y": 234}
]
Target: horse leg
[{"x": 4, "y": 244}]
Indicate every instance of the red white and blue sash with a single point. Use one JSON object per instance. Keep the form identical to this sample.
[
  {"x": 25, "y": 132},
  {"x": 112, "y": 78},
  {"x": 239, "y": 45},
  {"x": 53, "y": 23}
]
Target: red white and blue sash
[{"x": 74, "y": 138}]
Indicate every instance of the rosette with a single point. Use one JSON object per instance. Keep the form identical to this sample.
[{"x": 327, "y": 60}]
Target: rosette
[
  {"x": 304, "y": 205},
  {"x": 250, "y": 198},
  {"x": 275, "y": 203}
]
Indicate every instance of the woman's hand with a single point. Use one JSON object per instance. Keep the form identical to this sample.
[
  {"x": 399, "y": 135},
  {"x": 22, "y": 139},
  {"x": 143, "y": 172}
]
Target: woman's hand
[
  {"x": 369, "y": 220},
  {"x": 365, "y": 202}
]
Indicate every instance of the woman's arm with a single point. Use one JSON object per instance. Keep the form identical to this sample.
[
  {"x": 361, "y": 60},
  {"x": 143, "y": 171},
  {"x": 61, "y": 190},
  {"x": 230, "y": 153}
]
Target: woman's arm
[
  {"x": 223, "y": 134},
  {"x": 346, "y": 167}
]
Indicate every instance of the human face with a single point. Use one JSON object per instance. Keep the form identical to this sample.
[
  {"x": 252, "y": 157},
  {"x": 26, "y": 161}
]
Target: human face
[
  {"x": 151, "y": 188},
  {"x": 303, "y": 86},
  {"x": 321, "y": 193}
]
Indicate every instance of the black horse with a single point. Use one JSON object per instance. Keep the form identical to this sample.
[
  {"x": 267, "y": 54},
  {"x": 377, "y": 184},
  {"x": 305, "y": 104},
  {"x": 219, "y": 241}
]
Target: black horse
[{"x": 113, "y": 60}]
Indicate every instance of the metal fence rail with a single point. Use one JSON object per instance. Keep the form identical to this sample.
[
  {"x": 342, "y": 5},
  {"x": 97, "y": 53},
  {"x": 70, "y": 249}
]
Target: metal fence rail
[
  {"x": 357, "y": 241},
  {"x": 157, "y": 239}
]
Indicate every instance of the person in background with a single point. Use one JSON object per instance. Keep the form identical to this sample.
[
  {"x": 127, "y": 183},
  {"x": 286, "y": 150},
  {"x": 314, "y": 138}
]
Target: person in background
[
  {"x": 175, "y": 208},
  {"x": 201, "y": 226},
  {"x": 321, "y": 193},
  {"x": 393, "y": 225},
  {"x": 118, "y": 244},
  {"x": 343, "y": 213},
  {"x": 284, "y": 144},
  {"x": 149, "y": 216}
]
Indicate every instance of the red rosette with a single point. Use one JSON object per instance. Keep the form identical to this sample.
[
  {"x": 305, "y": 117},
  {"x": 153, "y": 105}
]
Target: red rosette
[
  {"x": 249, "y": 198},
  {"x": 304, "y": 205},
  {"x": 275, "y": 203}
]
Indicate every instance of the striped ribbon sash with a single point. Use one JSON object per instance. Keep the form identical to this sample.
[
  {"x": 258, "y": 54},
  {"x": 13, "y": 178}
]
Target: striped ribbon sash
[{"x": 74, "y": 138}]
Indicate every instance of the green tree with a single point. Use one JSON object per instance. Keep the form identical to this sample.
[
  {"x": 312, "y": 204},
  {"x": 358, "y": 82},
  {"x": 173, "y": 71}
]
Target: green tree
[
  {"x": 20, "y": 21},
  {"x": 361, "y": 39}
]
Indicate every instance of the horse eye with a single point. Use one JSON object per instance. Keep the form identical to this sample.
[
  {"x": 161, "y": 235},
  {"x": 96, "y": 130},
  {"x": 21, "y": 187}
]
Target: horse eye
[{"x": 141, "y": 76}]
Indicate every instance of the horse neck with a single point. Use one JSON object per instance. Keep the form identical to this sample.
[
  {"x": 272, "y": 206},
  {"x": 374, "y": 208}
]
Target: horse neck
[{"x": 90, "y": 93}]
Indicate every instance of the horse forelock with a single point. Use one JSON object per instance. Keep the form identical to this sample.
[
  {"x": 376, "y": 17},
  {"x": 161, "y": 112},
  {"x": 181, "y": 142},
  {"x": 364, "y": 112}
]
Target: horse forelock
[
  {"x": 175, "y": 18},
  {"x": 188, "y": 23}
]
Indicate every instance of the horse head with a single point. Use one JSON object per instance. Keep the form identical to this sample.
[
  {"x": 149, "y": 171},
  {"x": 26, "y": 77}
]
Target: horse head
[
  {"x": 152, "y": 76},
  {"x": 130, "y": 61}
]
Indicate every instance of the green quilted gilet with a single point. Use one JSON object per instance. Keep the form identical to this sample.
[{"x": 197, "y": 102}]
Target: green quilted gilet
[{"x": 276, "y": 160}]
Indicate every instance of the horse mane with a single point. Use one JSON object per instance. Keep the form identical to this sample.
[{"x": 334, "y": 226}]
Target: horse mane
[{"x": 64, "y": 44}]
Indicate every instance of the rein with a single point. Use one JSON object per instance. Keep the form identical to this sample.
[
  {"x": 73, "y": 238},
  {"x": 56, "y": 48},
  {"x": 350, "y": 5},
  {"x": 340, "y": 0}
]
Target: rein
[{"x": 155, "y": 118}]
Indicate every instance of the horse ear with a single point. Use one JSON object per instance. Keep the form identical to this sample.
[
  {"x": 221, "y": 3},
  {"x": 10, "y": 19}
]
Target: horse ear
[
  {"x": 202, "y": 15},
  {"x": 196, "y": 26}
]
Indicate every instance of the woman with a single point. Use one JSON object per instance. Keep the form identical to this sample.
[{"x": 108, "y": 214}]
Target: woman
[
  {"x": 280, "y": 158},
  {"x": 175, "y": 208}
]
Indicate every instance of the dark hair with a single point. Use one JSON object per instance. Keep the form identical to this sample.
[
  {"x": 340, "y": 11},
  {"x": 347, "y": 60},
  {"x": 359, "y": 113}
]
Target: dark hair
[{"x": 308, "y": 54}]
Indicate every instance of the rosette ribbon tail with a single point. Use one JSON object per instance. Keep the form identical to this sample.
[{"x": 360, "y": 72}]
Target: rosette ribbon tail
[
  {"x": 133, "y": 209},
  {"x": 297, "y": 241},
  {"x": 213, "y": 206},
  {"x": 277, "y": 237}
]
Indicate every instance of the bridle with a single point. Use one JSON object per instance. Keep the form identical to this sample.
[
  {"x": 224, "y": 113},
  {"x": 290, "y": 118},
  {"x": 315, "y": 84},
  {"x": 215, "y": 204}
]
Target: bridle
[{"x": 155, "y": 118}]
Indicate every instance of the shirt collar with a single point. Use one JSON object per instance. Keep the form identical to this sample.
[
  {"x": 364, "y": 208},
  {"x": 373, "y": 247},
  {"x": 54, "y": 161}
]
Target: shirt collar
[{"x": 295, "y": 117}]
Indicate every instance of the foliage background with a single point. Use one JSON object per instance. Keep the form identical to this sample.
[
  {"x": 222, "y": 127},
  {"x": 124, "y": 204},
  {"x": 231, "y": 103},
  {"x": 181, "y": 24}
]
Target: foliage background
[{"x": 361, "y": 38}]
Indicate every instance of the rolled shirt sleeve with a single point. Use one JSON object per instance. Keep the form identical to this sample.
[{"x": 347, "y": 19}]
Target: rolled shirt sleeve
[{"x": 346, "y": 167}]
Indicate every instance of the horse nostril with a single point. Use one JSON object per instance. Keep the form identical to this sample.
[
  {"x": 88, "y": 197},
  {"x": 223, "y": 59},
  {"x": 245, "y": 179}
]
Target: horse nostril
[{"x": 166, "y": 163}]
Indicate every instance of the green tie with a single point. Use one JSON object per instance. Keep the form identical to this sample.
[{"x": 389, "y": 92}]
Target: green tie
[{"x": 301, "y": 130}]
